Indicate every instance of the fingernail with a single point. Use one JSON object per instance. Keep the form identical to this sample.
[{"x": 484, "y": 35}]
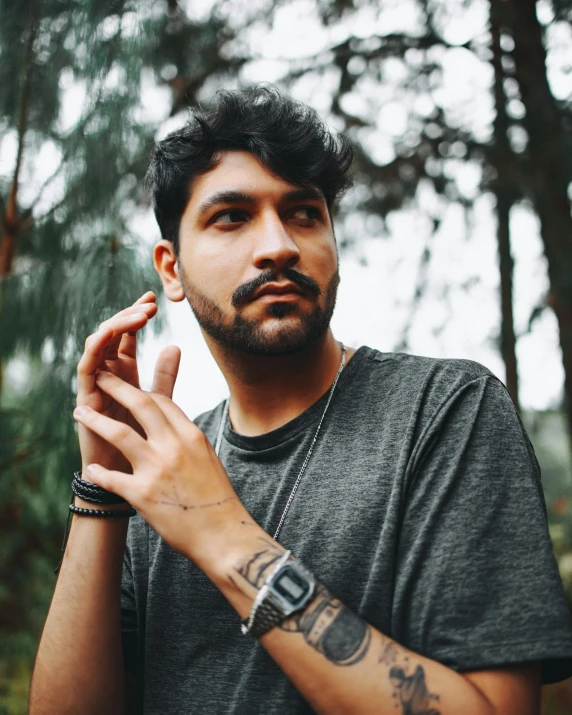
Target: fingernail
[
  {"x": 102, "y": 373},
  {"x": 91, "y": 468},
  {"x": 80, "y": 411}
]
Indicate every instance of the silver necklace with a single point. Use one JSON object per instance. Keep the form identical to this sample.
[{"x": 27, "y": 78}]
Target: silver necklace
[{"x": 300, "y": 475}]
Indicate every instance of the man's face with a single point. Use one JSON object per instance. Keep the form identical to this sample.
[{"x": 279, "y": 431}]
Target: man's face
[{"x": 258, "y": 260}]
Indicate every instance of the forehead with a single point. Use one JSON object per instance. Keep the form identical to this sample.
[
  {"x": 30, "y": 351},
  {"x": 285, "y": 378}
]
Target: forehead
[{"x": 237, "y": 171}]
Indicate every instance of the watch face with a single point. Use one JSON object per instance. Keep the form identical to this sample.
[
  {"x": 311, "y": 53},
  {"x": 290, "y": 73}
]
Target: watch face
[{"x": 291, "y": 586}]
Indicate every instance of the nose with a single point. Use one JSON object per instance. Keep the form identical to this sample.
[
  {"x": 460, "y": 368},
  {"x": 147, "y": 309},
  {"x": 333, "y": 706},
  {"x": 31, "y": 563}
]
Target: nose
[{"x": 273, "y": 245}]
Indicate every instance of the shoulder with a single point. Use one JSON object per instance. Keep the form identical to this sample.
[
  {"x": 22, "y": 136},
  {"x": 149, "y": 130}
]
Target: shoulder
[
  {"x": 421, "y": 366},
  {"x": 424, "y": 394},
  {"x": 428, "y": 381}
]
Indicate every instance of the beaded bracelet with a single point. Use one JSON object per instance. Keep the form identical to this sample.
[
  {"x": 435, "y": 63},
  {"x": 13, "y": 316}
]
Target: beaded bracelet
[
  {"x": 80, "y": 484},
  {"x": 92, "y": 492},
  {"x": 102, "y": 512}
]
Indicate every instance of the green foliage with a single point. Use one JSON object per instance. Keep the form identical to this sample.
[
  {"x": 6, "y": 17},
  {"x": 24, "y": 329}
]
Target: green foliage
[{"x": 72, "y": 73}]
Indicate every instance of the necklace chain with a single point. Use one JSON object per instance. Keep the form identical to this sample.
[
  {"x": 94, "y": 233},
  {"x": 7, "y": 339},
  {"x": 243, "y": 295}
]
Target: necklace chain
[{"x": 317, "y": 432}]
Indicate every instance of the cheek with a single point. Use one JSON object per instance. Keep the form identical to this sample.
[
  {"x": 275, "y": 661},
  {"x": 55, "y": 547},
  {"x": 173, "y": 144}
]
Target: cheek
[
  {"x": 324, "y": 261},
  {"x": 215, "y": 273}
]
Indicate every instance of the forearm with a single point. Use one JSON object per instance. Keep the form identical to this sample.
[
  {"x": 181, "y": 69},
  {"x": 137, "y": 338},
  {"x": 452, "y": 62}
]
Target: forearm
[
  {"x": 341, "y": 664},
  {"x": 79, "y": 664}
]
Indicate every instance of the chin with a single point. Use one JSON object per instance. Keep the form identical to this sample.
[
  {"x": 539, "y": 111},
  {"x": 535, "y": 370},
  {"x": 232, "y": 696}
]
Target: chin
[{"x": 286, "y": 338}]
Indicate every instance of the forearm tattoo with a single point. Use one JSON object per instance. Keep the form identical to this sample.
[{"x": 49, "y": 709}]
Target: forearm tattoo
[
  {"x": 409, "y": 691},
  {"x": 344, "y": 638}
]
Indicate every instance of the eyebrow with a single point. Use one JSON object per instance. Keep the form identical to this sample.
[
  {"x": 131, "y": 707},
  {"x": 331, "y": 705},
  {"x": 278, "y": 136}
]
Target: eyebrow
[{"x": 226, "y": 197}]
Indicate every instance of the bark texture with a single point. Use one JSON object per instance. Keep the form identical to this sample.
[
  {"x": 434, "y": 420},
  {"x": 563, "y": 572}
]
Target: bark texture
[
  {"x": 548, "y": 182},
  {"x": 505, "y": 192}
]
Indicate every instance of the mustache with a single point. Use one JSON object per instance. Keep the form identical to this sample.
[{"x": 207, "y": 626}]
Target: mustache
[{"x": 245, "y": 291}]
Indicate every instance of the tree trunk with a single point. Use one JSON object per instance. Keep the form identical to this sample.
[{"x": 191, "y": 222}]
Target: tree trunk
[
  {"x": 10, "y": 222},
  {"x": 505, "y": 194},
  {"x": 506, "y": 265},
  {"x": 10, "y": 225},
  {"x": 548, "y": 180}
]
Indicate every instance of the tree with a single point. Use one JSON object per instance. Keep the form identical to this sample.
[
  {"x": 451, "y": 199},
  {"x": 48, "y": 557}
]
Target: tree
[
  {"x": 548, "y": 175},
  {"x": 433, "y": 140},
  {"x": 506, "y": 191},
  {"x": 69, "y": 256}
]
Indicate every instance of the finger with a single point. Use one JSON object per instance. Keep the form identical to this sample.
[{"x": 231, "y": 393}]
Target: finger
[
  {"x": 149, "y": 308},
  {"x": 185, "y": 428},
  {"x": 141, "y": 405},
  {"x": 125, "y": 343},
  {"x": 166, "y": 371},
  {"x": 128, "y": 344},
  {"x": 146, "y": 298},
  {"x": 118, "y": 434},
  {"x": 96, "y": 346},
  {"x": 117, "y": 482}
]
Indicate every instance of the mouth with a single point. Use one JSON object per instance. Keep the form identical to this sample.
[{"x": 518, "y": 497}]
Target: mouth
[{"x": 278, "y": 291}]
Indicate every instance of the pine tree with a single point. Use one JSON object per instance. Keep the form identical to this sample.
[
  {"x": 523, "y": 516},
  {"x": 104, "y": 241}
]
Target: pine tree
[{"x": 69, "y": 257}]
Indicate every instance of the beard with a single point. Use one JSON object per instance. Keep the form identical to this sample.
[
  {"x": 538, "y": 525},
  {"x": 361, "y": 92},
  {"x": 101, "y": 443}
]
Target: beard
[{"x": 295, "y": 331}]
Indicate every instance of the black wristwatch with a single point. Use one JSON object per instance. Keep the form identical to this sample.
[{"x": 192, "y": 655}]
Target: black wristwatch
[{"x": 287, "y": 590}]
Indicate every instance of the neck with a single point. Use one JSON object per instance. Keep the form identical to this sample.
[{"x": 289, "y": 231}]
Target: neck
[{"x": 267, "y": 392}]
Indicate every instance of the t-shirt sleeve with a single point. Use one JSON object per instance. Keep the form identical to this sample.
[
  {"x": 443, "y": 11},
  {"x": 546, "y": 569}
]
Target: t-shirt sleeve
[
  {"x": 476, "y": 582},
  {"x": 128, "y": 615}
]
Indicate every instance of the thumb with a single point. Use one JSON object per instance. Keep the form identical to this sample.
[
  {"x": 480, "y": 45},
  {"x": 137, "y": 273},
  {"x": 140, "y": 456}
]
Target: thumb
[
  {"x": 166, "y": 371},
  {"x": 116, "y": 482}
]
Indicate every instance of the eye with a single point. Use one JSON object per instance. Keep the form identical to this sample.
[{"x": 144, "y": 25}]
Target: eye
[
  {"x": 305, "y": 213},
  {"x": 229, "y": 218}
]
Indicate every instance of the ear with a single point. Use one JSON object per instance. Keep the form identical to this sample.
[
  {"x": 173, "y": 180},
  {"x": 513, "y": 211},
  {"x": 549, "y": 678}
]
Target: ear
[{"x": 166, "y": 266}]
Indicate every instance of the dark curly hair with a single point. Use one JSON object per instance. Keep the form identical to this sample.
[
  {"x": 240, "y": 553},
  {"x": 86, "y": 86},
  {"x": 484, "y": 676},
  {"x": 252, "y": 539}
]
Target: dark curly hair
[{"x": 286, "y": 136}]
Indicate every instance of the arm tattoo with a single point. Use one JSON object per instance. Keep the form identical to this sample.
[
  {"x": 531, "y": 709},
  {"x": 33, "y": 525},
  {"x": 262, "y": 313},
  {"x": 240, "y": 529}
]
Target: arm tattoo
[
  {"x": 257, "y": 568},
  {"x": 343, "y": 637},
  {"x": 326, "y": 624},
  {"x": 175, "y": 501},
  {"x": 410, "y": 691},
  {"x": 332, "y": 629}
]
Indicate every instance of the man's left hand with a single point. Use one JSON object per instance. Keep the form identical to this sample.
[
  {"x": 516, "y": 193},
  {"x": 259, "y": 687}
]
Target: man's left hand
[{"x": 178, "y": 485}]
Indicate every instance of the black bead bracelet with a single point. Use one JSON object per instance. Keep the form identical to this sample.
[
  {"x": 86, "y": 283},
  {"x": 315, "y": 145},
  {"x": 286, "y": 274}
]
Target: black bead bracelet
[
  {"x": 102, "y": 512},
  {"x": 92, "y": 493}
]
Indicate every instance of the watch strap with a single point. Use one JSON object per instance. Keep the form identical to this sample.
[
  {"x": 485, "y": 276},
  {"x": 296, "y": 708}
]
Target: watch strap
[{"x": 267, "y": 616}]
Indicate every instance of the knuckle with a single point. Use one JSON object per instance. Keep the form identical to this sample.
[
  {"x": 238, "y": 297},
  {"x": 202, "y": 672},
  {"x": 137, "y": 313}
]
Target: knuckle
[
  {"x": 122, "y": 431},
  {"x": 175, "y": 459},
  {"x": 197, "y": 437},
  {"x": 142, "y": 400}
]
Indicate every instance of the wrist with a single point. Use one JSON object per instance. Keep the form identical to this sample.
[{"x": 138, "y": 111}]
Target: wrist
[
  {"x": 88, "y": 495},
  {"x": 91, "y": 505},
  {"x": 227, "y": 568}
]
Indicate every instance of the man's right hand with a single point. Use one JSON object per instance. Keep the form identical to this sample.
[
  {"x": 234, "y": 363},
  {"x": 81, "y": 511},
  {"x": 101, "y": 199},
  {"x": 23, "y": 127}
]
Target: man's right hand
[{"x": 114, "y": 348}]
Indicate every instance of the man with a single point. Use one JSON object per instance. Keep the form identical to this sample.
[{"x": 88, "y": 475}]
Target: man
[{"x": 421, "y": 578}]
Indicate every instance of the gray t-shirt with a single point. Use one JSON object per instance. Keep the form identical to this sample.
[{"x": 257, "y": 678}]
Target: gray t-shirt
[{"x": 421, "y": 509}]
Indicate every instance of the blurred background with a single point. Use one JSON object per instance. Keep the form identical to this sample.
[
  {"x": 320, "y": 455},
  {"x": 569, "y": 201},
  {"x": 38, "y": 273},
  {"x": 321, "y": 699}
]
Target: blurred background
[{"x": 455, "y": 242}]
